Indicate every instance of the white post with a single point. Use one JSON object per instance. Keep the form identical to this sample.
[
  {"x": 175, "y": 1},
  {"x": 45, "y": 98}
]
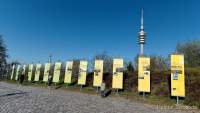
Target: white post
[
  {"x": 117, "y": 92},
  {"x": 97, "y": 89},
  {"x": 177, "y": 100},
  {"x": 81, "y": 88},
  {"x": 143, "y": 95}
]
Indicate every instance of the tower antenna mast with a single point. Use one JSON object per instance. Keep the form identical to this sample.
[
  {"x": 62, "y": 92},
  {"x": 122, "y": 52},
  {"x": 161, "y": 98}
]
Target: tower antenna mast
[{"x": 142, "y": 34}]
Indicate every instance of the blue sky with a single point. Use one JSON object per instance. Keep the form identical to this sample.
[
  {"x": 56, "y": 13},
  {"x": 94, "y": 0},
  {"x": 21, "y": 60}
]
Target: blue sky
[{"x": 82, "y": 28}]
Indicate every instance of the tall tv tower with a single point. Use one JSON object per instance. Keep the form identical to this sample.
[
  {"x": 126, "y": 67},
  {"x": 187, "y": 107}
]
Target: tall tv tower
[{"x": 142, "y": 35}]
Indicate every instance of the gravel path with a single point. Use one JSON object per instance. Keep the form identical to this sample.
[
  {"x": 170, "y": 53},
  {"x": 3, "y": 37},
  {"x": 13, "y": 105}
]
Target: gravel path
[{"x": 26, "y": 99}]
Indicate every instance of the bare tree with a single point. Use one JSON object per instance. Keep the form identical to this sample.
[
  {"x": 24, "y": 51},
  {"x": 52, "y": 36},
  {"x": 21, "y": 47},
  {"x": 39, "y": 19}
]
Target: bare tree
[
  {"x": 107, "y": 61},
  {"x": 158, "y": 63},
  {"x": 191, "y": 51}
]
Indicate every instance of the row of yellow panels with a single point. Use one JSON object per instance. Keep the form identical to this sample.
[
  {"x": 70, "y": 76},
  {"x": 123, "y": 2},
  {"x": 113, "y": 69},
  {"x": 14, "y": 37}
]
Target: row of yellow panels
[
  {"x": 98, "y": 72},
  {"x": 177, "y": 73}
]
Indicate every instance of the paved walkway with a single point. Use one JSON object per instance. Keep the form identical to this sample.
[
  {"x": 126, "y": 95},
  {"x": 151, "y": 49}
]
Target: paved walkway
[{"x": 27, "y": 99}]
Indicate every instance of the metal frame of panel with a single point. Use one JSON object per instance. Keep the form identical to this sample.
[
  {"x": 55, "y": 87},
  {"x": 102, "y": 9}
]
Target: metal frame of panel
[
  {"x": 46, "y": 72},
  {"x": 117, "y": 81},
  {"x": 12, "y": 73},
  {"x": 68, "y": 72},
  {"x": 30, "y": 72},
  {"x": 37, "y": 72},
  {"x": 177, "y": 75},
  {"x": 82, "y": 73},
  {"x": 143, "y": 74},
  {"x": 98, "y": 73},
  {"x": 57, "y": 71},
  {"x": 17, "y": 72}
]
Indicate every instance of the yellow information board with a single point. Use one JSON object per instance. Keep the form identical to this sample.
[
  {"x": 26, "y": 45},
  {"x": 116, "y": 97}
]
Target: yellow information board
[
  {"x": 57, "y": 70},
  {"x": 12, "y": 73},
  {"x": 68, "y": 72},
  {"x": 117, "y": 81},
  {"x": 82, "y": 73},
  {"x": 24, "y": 69},
  {"x": 17, "y": 72},
  {"x": 177, "y": 75},
  {"x": 37, "y": 72},
  {"x": 46, "y": 72},
  {"x": 98, "y": 73},
  {"x": 30, "y": 72},
  {"x": 143, "y": 74}
]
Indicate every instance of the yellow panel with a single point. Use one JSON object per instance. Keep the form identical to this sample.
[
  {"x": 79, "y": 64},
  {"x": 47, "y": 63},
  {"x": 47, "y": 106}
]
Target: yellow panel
[
  {"x": 37, "y": 72},
  {"x": 24, "y": 69},
  {"x": 17, "y": 73},
  {"x": 56, "y": 74},
  {"x": 13, "y": 71},
  {"x": 30, "y": 72},
  {"x": 144, "y": 74},
  {"x": 82, "y": 73},
  {"x": 117, "y": 82},
  {"x": 177, "y": 76},
  {"x": 46, "y": 72},
  {"x": 68, "y": 72},
  {"x": 98, "y": 73}
]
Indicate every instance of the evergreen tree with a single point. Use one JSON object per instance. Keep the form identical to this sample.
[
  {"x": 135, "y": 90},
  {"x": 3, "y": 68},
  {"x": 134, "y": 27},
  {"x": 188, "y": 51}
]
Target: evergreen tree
[{"x": 3, "y": 56}]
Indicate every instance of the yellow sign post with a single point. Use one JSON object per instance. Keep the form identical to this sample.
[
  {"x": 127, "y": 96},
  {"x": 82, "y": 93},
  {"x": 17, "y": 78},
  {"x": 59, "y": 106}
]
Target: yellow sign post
[
  {"x": 82, "y": 73},
  {"x": 143, "y": 74},
  {"x": 12, "y": 73},
  {"x": 68, "y": 72},
  {"x": 98, "y": 73},
  {"x": 37, "y": 72},
  {"x": 177, "y": 76},
  {"x": 17, "y": 73},
  {"x": 30, "y": 72},
  {"x": 46, "y": 72},
  {"x": 117, "y": 81},
  {"x": 24, "y": 69},
  {"x": 57, "y": 70}
]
